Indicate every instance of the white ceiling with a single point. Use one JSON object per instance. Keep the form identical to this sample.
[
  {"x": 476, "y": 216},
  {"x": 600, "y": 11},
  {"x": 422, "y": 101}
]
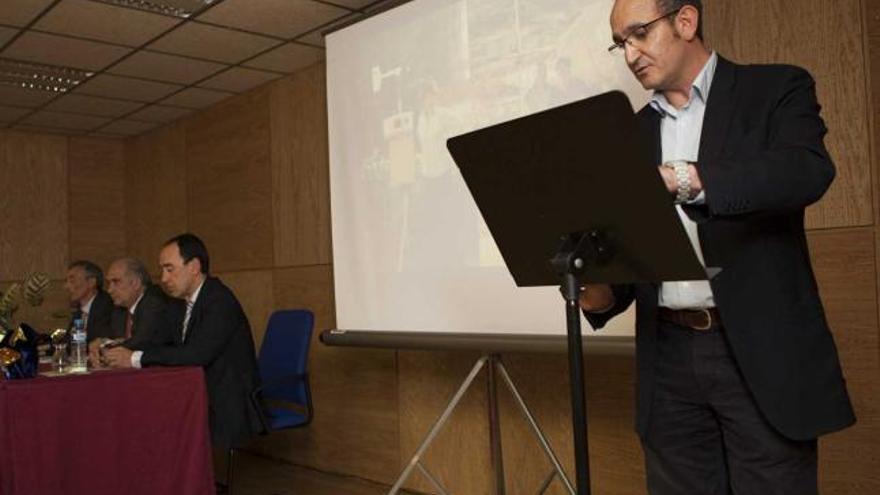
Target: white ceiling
[{"x": 149, "y": 69}]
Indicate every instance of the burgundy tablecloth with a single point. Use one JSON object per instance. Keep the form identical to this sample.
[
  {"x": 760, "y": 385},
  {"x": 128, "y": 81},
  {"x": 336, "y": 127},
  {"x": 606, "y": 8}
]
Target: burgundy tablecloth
[{"x": 120, "y": 432}]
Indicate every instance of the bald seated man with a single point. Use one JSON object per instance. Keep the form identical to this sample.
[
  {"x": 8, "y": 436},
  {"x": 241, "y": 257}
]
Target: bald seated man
[{"x": 145, "y": 319}]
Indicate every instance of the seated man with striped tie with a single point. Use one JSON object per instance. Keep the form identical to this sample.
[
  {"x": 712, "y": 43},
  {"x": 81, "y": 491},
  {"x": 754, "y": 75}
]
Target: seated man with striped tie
[
  {"x": 146, "y": 318},
  {"x": 211, "y": 331}
]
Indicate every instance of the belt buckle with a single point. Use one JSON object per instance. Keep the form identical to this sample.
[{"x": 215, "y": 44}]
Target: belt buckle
[{"x": 708, "y": 320}]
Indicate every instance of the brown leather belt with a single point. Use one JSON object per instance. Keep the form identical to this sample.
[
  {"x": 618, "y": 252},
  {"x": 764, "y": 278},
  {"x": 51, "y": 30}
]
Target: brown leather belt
[{"x": 695, "y": 319}]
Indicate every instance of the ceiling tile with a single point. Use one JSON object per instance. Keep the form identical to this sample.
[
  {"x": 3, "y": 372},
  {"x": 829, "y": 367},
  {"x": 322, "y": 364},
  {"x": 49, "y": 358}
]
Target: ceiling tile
[
  {"x": 239, "y": 79},
  {"x": 164, "y": 67},
  {"x": 18, "y": 96},
  {"x": 212, "y": 43},
  {"x": 46, "y": 130},
  {"x": 21, "y": 12},
  {"x": 62, "y": 51},
  {"x": 196, "y": 98},
  {"x": 316, "y": 36},
  {"x": 105, "y": 22},
  {"x": 126, "y": 88},
  {"x": 6, "y": 34},
  {"x": 287, "y": 58},
  {"x": 92, "y": 105},
  {"x": 160, "y": 114},
  {"x": 282, "y": 18},
  {"x": 65, "y": 120},
  {"x": 11, "y": 114},
  {"x": 127, "y": 127}
]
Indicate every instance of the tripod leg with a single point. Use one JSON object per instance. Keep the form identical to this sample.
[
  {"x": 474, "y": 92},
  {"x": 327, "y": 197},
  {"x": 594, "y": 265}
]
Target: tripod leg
[
  {"x": 441, "y": 421},
  {"x": 545, "y": 445}
]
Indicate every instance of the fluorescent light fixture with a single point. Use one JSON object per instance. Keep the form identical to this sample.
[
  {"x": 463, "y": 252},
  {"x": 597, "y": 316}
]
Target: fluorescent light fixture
[
  {"x": 40, "y": 77},
  {"x": 176, "y": 8}
]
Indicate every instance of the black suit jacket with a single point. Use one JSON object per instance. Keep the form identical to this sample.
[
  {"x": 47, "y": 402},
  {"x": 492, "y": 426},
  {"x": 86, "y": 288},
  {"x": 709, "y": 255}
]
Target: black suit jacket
[
  {"x": 152, "y": 320},
  {"x": 218, "y": 338},
  {"x": 762, "y": 160},
  {"x": 102, "y": 313}
]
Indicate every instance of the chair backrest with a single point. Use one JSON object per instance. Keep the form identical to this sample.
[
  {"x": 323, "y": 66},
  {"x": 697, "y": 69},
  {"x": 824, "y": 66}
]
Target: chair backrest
[{"x": 285, "y": 353}]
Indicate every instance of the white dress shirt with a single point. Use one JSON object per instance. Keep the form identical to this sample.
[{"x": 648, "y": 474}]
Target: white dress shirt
[{"x": 680, "y": 131}]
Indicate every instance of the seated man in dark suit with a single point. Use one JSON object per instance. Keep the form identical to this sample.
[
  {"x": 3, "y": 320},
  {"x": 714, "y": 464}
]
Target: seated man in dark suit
[
  {"x": 85, "y": 284},
  {"x": 146, "y": 318},
  {"x": 212, "y": 331}
]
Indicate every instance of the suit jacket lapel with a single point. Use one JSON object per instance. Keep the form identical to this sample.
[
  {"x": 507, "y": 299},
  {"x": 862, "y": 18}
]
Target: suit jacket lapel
[{"x": 719, "y": 112}]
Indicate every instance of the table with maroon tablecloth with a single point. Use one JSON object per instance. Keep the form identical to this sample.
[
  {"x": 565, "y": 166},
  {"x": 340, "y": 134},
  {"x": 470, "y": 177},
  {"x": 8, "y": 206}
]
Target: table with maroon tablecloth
[{"x": 119, "y": 432}]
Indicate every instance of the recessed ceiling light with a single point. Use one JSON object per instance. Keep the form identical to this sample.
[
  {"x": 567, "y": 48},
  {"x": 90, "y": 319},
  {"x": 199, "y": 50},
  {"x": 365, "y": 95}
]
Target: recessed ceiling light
[
  {"x": 176, "y": 8},
  {"x": 40, "y": 77}
]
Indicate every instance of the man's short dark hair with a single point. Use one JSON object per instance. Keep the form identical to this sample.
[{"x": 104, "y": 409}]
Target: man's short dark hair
[
  {"x": 675, "y": 5},
  {"x": 92, "y": 271},
  {"x": 191, "y": 247}
]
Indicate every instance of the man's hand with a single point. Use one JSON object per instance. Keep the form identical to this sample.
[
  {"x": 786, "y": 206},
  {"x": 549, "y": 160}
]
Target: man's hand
[
  {"x": 95, "y": 353},
  {"x": 118, "y": 357},
  {"x": 596, "y": 298},
  {"x": 668, "y": 175}
]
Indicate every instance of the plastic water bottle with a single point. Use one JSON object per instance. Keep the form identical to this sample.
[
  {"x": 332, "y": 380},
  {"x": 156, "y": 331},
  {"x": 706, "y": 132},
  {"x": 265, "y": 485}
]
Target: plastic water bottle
[{"x": 79, "y": 353}]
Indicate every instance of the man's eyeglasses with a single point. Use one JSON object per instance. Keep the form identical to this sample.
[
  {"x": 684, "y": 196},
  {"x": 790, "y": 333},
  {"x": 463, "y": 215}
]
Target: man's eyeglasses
[{"x": 638, "y": 34}]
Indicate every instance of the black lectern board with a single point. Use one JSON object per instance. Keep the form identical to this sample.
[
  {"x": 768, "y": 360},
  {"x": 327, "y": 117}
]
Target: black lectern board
[
  {"x": 579, "y": 167},
  {"x": 571, "y": 194}
]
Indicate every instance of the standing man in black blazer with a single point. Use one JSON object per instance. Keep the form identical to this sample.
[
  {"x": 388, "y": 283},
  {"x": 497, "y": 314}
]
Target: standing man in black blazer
[
  {"x": 212, "y": 332},
  {"x": 85, "y": 286},
  {"x": 737, "y": 376}
]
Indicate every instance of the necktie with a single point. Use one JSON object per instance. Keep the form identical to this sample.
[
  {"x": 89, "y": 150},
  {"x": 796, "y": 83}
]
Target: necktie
[
  {"x": 129, "y": 324},
  {"x": 189, "y": 308}
]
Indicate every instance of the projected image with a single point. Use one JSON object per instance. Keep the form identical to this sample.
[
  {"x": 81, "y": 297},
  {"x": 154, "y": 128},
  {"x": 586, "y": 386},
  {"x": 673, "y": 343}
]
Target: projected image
[{"x": 406, "y": 231}]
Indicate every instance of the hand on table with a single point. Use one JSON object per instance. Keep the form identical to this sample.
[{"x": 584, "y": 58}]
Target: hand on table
[
  {"x": 95, "y": 353},
  {"x": 118, "y": 357}
]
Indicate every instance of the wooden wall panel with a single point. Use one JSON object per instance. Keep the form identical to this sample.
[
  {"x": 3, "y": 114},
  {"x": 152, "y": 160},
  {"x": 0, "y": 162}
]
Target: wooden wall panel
[
  {"x": 155, "y": 185},
  {"x": 845, "y": 269},
  {"x": 354, "y": 391},
  {"x": 300, "y": 170},
  {"x": 229, "y": 182},
  {"x": 826, "y": 38},
  {"x": 97, "y": 199},
  {"x": 254, "y": 291},
  {"x": 34, "y": 205}
]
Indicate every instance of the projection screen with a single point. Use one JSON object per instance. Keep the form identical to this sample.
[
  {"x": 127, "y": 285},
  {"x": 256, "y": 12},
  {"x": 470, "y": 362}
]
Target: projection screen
[{"x": 410, "y": 250}]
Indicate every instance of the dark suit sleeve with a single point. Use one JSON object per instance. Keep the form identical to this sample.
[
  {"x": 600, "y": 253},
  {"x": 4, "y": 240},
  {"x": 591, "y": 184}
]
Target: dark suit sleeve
[
  {"x": 153, "y": 325},
  {"x": 623, "y": 297},
  {"x": 103, "y": 318},
  {"x": 790, "y": 172},
  {"x": 219, "y": 319}
]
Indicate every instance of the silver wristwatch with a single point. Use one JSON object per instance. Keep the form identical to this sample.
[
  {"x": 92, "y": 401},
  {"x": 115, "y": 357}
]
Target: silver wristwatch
[{"x": 683, "y": 178}]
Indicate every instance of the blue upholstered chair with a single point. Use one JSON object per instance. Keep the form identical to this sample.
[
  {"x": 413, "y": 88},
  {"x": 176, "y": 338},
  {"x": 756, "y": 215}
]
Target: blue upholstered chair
[{"x": 283, "y": 363}]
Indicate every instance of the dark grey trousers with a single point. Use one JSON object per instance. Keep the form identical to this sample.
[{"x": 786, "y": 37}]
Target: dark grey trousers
[{"x": 706, "y": 435}]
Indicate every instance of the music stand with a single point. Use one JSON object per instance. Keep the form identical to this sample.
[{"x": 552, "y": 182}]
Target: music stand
[{"x": 571, "y": 195}]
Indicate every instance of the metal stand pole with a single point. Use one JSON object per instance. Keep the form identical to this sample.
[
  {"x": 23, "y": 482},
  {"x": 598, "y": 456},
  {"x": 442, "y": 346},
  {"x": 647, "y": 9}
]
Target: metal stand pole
[{"x": 571, "y": 289}]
